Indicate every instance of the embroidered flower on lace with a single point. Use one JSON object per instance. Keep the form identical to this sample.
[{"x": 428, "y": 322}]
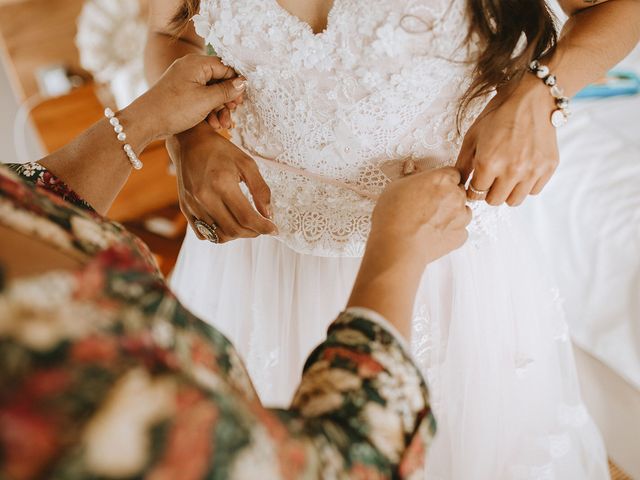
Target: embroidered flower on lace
[
  {"x": 486, "y": 220},
  {"x": 426, "y": 346},
  {"x": 526, "y": 472},
  {"x": 522, "y": 364},
  {"x": 228, "y": 28},
  {"x": 573, "y": 415},
  {"x": 561, "y": 327},
  {"x": 390, "y": 40},
  {"x": 349, "y": 114},
  {"x": 260, "y": 362},
  {"x": 308, "y": 54},
  {"x": 313, "y": 215},
  {"x": 420, "y": 336},
  {"x": 559, "y": 445},
  {"x": 368, "y": 78}
]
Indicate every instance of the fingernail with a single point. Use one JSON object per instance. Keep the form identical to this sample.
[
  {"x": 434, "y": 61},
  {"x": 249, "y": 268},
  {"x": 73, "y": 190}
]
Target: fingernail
[
  {"x": 269, "y": 212},
  {"x": 239, "y": 83}
]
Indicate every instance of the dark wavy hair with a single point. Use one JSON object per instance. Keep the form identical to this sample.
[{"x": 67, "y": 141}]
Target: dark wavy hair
[{"x": 511, "y": 34}]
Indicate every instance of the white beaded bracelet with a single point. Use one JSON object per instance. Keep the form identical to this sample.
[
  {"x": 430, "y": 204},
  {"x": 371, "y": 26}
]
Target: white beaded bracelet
[
  {"x": 119, "y": 129},
  {"x": 560, "y": 116}
]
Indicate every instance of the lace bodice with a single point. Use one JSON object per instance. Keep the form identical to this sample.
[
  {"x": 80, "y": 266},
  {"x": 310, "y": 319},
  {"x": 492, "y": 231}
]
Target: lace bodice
[{"x": 332, "y": 117}]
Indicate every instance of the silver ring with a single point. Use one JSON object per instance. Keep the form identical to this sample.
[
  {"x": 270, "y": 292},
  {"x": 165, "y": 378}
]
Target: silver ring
[{"x": 209, "y": 232}]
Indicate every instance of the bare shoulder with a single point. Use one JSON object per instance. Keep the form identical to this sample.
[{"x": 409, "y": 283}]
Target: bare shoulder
[
  {"x": 161, "y": 19},
  {"x": 572, "y": 7}
]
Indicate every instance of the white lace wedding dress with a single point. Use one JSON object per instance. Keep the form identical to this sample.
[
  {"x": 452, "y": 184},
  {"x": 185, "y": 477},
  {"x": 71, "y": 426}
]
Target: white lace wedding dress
[{"x": 331, "y": 118}]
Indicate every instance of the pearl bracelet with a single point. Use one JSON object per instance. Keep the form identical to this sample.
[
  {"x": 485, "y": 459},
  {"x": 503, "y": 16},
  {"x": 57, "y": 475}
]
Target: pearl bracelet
[
  {"x": 119, "y": 129},
  {"x": 560, "y": 116}
]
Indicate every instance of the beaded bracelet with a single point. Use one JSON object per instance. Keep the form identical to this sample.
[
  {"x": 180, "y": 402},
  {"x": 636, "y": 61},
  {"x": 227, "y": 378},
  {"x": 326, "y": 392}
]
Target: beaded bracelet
[
  {"x": 119, "y": 129},
  {"x": 560, "y": 116}
]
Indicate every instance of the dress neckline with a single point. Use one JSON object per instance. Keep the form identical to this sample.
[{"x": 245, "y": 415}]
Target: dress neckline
[{"x": 304, "y": 24}]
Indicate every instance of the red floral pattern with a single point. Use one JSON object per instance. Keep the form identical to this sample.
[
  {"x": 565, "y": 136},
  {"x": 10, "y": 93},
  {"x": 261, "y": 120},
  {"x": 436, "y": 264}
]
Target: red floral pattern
[{"x": 112, "y": 378}]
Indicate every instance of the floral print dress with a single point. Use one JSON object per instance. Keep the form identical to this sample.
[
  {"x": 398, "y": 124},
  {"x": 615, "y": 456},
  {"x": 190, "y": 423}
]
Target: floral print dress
[{"x": 103, "y": 374}]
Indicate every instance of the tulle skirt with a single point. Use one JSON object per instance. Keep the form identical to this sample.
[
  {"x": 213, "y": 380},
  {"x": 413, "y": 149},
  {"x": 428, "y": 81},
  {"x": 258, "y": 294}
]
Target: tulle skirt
[{"x": 489, "y": 334}]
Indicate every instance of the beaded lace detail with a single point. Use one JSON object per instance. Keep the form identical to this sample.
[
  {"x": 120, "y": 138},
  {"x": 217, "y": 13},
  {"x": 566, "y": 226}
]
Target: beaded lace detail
[{"x": 344, "y": 109}]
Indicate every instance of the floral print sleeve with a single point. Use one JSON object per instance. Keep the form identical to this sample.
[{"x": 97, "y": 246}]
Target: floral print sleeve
[
  {"x": 103, "y": 374},
  {"x": 366, "y": 401},
  {"x": 35, "y": 201},
  {"x": 38, "y": 175}
]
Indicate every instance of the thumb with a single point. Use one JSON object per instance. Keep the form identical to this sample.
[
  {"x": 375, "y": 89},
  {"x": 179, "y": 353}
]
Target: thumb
[{"x": 217, "y": 94}]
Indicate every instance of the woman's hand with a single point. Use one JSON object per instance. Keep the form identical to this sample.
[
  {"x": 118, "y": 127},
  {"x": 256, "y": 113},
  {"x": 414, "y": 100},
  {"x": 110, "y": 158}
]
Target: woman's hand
[
  {"x": 417, "y": 220},
  {"x": 424, "y": 213},
  {"x": 196, "y": 93},
  {"x": 512, "y": 147},
  {"x": 210, "y": 169},
  {"x": 192, "y": 90},
  {"x": 182, "y": 98}
]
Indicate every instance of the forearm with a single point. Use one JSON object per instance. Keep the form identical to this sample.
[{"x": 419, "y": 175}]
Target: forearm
[
  {"x": 387, "y": 284},
  {"x": 594, "y": 40},
  {"x": 95, "y": 165}
]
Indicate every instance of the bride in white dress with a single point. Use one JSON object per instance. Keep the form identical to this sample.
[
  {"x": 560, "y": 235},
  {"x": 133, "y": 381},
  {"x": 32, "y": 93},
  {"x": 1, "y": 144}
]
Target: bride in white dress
[{"x": 331, "y": 118}]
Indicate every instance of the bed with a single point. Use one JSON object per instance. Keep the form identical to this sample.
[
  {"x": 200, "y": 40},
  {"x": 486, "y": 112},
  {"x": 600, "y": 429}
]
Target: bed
[{"x": 588, "y": 222}]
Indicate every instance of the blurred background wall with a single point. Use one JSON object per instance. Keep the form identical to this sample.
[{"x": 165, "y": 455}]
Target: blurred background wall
[{"x": 9, "y": 106}]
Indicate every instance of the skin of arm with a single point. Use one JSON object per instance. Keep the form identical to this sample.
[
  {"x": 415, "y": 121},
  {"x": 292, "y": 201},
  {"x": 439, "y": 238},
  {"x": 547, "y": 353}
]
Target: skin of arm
[
  {"x": 512, "y": 146},
  {"x": 95, "y": 165},
  {"x": 596, "y": 37},
  {"x": 209, "y": 167},
  {"x": 224, "y": 415},
  {"x": 416, "y": 221},
  {"x": 387, "y": 284}
]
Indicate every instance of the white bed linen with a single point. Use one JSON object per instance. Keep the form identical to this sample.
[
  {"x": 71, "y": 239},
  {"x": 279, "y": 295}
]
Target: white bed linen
[{"x": 588, "y": 220}]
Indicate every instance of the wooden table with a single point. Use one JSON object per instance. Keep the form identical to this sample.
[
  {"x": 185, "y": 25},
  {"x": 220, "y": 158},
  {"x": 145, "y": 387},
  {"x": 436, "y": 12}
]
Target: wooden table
[
  {"x": 39, "y": 33},
  {"x": 150, "y": 192},
  {"x": 35, "y": 34},
  {"x": 61, "y": 119}
]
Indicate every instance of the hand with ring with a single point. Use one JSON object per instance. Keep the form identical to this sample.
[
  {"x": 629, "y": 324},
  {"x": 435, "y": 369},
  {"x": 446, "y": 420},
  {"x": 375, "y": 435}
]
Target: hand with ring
[
  {"x": 476, "y": 195},
  {"x": 511, "y": 148},
  {"x": 210, "y": 170}
]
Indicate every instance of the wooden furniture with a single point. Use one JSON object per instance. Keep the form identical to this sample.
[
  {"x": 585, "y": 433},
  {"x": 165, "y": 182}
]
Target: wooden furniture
[
  {"x": 35, "y": 34},
  {"x": 39, "y": 33},
  {"x": 150, "y": 192},
  {"x": 150, "y": 189}
]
